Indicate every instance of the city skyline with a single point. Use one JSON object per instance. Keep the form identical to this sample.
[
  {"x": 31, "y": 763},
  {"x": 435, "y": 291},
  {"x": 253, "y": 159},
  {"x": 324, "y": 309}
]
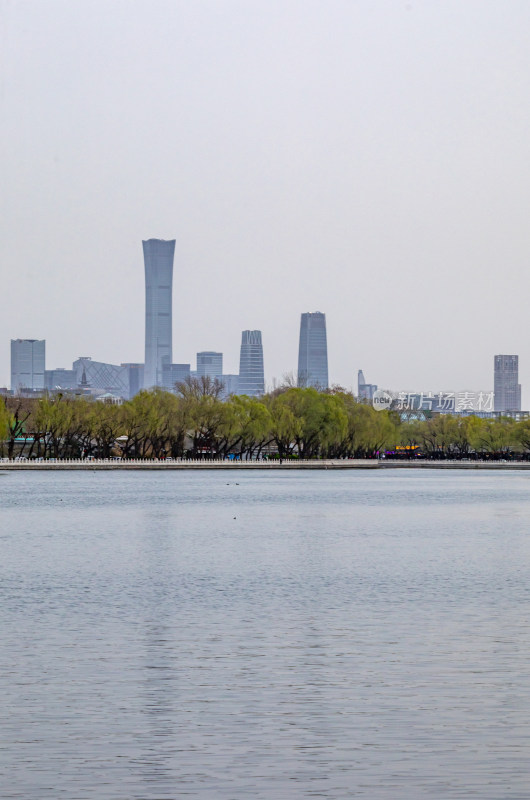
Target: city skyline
[
  {"x": 28, "y": 362},
  {"x": 252, "y": 549},
  {"x": 28, "y": 371},
  {"x": 383, "y": 147}
]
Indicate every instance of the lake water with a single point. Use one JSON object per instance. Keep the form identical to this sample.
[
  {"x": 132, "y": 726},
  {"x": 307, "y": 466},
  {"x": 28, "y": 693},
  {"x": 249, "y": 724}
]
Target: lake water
[{"x": 265, "y": 635}]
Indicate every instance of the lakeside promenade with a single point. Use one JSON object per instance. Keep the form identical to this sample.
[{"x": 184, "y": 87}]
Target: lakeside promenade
[{"x": 286, "y": 464}]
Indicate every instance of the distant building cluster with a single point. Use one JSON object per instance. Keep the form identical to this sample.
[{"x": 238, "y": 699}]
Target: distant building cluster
[
  {"x": 365, "y": 391},
  {"x": 504, "y": 399},
  {"x": 159, "y": 367},
  {"x": 123, "y": 381}
]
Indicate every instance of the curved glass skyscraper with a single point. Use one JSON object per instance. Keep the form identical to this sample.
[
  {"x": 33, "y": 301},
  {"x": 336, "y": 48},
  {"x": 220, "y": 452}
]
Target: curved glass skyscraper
[
  {"x": 313, "y": 351},
  {"x": 251, "y": 372},
  {"x": 158, "y": 261}
]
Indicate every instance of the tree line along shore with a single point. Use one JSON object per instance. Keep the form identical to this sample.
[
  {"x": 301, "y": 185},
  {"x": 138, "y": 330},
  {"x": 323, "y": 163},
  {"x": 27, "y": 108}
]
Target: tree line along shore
[{"x": 289, "y": 422}]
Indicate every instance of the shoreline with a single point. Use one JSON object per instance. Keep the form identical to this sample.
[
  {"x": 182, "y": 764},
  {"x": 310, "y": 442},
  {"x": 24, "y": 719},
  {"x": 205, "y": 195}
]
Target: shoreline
[{"x": 204, "y": 464}]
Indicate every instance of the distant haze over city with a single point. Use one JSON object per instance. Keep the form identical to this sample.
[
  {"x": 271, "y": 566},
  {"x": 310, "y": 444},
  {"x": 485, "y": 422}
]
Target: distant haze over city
[{"x": 368, "y": 160}]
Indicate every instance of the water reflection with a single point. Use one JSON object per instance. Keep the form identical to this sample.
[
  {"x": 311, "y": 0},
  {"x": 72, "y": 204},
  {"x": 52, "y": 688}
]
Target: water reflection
[{"x": 326, "y": 636}]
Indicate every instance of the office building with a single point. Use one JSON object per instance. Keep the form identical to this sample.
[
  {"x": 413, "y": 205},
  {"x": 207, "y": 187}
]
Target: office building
[
  {"x": 158, "y": 261},
  {"x": 104, "y": 377},
  {"x": 313, "y": 351},
  {"x": 506, "y": 386},
  {"x": 28, "y": 363},
  {"x": 365, "y": 391},
  {"x": 173, "y": 374},
  {"x": 136, "y": 378},
  {"x": 251, "y": 372},
  {"x": 56, "y": 379},
  {"x": 230, "y": 385},
  {"x": 209, "y": 364}
]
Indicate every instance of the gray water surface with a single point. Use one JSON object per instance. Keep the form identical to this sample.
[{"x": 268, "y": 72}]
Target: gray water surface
[{"x": 265, "y": 635}]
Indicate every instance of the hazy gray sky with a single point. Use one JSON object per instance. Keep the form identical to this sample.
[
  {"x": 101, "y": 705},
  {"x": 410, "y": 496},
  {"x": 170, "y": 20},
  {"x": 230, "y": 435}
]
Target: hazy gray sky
[{"x": 366, "y": 159}]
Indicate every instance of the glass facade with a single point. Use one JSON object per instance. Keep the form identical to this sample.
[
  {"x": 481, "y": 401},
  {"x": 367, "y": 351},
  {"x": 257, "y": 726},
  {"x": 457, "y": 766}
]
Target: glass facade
[
  {"x": 99, "y": 375},
  {"x": 158, "y": 261},
  {"x": 365, "y": 391},
  {"x": 210, "y": 364},
  {"x": 313, "y": 351},
  {"x": 136, "y": 377},
  {"x": 28, "y": 357},
  {"x": 506, "y": 387},
  {"x": 230, "y": 385},
  {"x": 173, "y": 374},
  {"x": 251, "y": 372},
  {"x": 60, "y": 379}
]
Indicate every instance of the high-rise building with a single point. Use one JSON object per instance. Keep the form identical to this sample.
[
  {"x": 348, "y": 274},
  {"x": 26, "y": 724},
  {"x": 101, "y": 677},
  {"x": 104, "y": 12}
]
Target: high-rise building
[
  {"x": 313, "y": 351},
  {"x": 136, "y": 377},
  {"x": 173, "y": 374},
  {"x": 209, "y": 364},
  {"x": 507, "y": 389},
  {"x": 365, "y": 391},
  {"x": 158, "y": 261},
  {"x": 28, "y": 363},
  {"x": 230, "y": 384},
  {"x": 251, "y": 373}
]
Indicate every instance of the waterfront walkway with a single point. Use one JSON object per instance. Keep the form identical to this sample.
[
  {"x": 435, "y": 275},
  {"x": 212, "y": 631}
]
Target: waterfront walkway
[
  {"x": 177, "y": 463},
  {"x": 285, "y": 464}
]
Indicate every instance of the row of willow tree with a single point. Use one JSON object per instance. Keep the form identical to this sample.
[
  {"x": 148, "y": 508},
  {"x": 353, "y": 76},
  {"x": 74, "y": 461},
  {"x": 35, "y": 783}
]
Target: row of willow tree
[{"x": 290, "y": 422}]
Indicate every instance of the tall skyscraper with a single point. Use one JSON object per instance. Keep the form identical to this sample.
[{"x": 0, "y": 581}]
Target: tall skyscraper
[
  {"x": 210, "y": 364},
  {"x": 28, "y": 363},
  {"x": 365, "y": 391},
  {"x": 158, "y": 260},
  {"x": 251, "y": 372},
  {"x": 313, "y": 351},
  {"x": 506, "y": 383}
]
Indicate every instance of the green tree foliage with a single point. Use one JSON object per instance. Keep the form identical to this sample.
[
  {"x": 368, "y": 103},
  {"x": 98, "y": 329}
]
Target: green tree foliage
[
  {"x": 493, "y": 436},
  {"x": 522, "y": 434},
  {"x": 18, "y": 411},
  {"x": 285, "y": 427},
  {"x": 204, "y": 413},
  {"x": 195, "y": 421},
  {"x": 5, "y": 421}
]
